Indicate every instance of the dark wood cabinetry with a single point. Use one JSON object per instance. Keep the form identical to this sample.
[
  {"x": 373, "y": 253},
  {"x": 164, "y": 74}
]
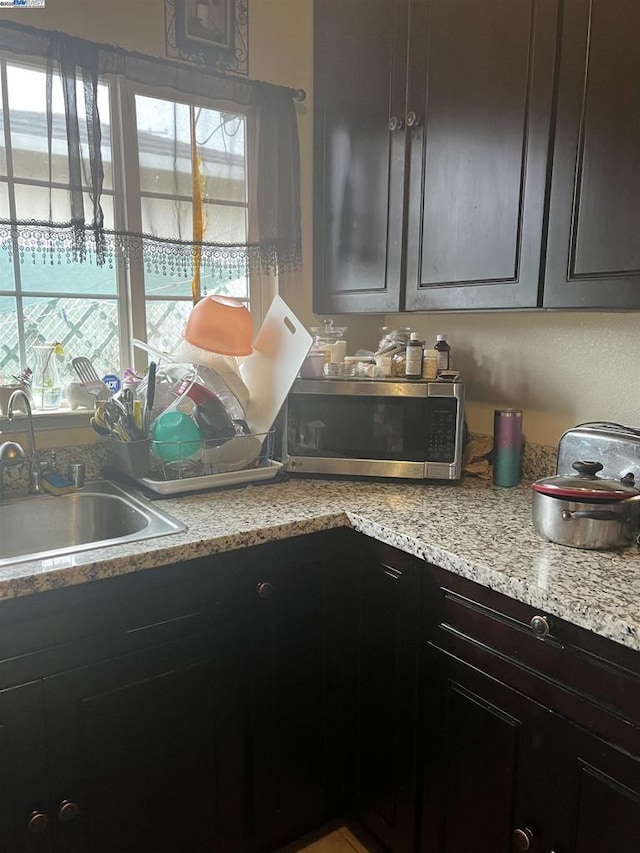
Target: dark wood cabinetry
[
  {"x": 480, "y": 86},
  {"x": 132, "y": 734},
  {"x": 476, "y": 154},
  {"x": 148, "y": 751},
  {"x": 530, "y": 743},
  {"x": 177, "y": 709},
  {"x": 593, "y": 254},
  {"x": 231, "y": 703},
  {"x": 359, "y": 164},
  {"x": 294, "y": 586},
  {"x": 385, "y": 634},
  {"x": 24, "y": 796}
]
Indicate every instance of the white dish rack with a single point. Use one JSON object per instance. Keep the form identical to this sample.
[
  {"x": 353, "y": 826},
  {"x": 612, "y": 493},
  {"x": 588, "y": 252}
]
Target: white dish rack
[
  {"x": 212, "y": 481},
  {"x": 238, "y": 460}
]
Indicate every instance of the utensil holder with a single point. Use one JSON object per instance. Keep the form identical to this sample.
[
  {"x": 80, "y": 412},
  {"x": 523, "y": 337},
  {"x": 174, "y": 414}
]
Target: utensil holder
[{"x": 130, "y": 457}]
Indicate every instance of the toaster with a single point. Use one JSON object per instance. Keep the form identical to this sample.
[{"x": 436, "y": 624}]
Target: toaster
[{"x": 615, "y": 446}]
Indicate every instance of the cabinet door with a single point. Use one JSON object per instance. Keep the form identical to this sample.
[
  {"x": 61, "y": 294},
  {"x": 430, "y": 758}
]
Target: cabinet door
[
  {"x": 593, "y": 257},
  {"x": 491, "y": 779},
  {"x": 288, "y": 676},
  {"x": 147, "y": 751},
  {"x": 25, "y": 817},
  {"x": 604, "y": 813},
  {"x": 386, "y": 707},
  {"x": 480, "y": 88},
  {"x": 360, "y": 68}
]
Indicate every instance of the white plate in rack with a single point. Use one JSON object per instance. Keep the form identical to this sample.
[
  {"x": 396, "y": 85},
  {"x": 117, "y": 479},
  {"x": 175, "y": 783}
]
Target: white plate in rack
[{"x": 211, "y": 481}]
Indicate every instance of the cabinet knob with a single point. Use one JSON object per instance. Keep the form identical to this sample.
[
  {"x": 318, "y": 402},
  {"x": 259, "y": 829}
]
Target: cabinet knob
[
  {"x": 37, "y": 822},
  {"x": 541, "y": 626},
  {"x": 67, "y": 811},
  {"x": 522, "y": 839},
  {"x": 413, "y": 119},
  {"x": 395, "y": 123},
  {"x": 264, "y": 590}
]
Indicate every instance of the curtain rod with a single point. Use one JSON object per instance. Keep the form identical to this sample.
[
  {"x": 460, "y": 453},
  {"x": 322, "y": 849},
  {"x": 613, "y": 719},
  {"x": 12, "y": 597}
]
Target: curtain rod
[{"x": 297, "y": 94}]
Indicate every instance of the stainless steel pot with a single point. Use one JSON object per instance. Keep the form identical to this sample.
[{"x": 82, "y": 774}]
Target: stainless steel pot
[{"x": 583, "y": 510}]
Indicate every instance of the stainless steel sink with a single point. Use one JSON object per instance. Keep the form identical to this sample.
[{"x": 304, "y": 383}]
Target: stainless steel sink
[{"x": 40, "y": 527}]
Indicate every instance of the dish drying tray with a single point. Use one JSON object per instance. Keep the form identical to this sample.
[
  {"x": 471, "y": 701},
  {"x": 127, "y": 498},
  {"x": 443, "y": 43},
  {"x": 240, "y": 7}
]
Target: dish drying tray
[
  {"x": 211, "y": 481},
  {"x": 172, "y": 468}
]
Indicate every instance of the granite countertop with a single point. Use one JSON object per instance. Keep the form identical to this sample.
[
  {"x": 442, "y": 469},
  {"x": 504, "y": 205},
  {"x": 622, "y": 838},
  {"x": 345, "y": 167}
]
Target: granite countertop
[{"x": 472, "y": 528}]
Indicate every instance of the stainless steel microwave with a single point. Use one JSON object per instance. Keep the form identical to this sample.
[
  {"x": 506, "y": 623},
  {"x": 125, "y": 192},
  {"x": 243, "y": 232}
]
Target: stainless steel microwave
[{"x": 374, "y": 428}]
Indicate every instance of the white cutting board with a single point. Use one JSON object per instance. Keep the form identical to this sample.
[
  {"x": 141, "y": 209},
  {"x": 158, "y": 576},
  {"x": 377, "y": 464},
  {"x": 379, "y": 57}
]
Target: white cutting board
[{"x": 278, "y": 352}]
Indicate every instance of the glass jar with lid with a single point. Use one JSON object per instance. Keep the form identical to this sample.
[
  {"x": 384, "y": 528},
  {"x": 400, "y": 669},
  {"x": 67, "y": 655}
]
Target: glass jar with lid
[{"x": 330, "y": 340}]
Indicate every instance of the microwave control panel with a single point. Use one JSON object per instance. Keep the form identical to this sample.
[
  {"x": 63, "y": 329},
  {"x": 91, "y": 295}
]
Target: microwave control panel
[{"x": 441, "y": 429}]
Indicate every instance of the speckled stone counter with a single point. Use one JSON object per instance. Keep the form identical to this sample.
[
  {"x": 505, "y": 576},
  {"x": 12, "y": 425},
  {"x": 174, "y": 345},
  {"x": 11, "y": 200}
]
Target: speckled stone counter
[{"x": 473, "y": 529}]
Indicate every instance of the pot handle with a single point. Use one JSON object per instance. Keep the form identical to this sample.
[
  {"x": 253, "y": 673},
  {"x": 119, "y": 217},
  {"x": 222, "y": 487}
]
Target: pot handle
[{"x": 595, "y": 514}]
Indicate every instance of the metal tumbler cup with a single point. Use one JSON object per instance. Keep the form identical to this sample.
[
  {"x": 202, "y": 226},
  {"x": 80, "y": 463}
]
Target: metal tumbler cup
[
  {"x": 507, "y": 446},
  {"x": 75, "y": 473}
]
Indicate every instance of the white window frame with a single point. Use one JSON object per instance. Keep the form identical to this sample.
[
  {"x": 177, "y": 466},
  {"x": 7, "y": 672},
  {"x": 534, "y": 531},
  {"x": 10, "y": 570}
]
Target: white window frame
[{"x": 130, "y": 289}]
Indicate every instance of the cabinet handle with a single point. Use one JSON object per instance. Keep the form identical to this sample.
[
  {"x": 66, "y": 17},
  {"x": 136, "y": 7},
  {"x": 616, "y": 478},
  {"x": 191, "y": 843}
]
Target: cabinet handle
[
  {"x": 37, "y": 822},
  {"x": 541, "y": 626},
  {"x": 522, "y": 839},
  {"x": 264, "y": 590},
  {"x": 68, "y": 811},
  {"x": 395, "y": 123},
  {"x": 413, "y": 119}
]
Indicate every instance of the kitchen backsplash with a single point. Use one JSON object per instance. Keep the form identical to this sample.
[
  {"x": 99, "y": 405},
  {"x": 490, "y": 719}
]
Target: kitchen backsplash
[
  {"x": 94, "y": 457},
  {"x": 538, "y": 461}
]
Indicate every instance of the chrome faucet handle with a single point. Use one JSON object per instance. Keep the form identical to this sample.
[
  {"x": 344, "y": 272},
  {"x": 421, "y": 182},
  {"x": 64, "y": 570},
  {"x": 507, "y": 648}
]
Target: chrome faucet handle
[
  {"x": 36, "y": 468},
  {"x": 49, "y": 462}
]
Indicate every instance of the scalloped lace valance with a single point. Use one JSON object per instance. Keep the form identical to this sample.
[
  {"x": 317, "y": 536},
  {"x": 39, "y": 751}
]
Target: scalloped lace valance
[{"x": 274, "y": 235}]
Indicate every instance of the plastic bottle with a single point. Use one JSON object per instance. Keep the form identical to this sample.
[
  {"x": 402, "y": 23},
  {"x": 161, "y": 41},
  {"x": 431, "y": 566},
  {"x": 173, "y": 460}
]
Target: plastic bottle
[
  {"x": 413, "y": 364},
  {"x": 444, "y": 351},
  {"x": 430, "y": 364}
]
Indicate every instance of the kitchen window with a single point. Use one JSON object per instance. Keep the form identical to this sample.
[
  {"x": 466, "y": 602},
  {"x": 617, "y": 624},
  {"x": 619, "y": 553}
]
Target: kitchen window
[
  {"x": 129, "y": 187},
  {"x": 95, "y": 310}
]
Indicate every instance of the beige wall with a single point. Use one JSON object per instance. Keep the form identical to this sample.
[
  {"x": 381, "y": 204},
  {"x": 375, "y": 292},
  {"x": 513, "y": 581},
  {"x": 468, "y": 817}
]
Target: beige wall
[
  {"x": 561, "y": 368},
  {"x": 132, "y": 24}
]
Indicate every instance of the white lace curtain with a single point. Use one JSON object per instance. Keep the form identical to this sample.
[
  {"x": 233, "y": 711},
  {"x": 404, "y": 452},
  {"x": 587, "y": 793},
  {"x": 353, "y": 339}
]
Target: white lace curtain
[{"x": 75, "y": 222}]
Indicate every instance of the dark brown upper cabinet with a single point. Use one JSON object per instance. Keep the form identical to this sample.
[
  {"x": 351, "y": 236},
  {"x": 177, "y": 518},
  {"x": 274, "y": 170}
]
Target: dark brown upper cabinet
[
  {"x": 481, "y": 90},
  {"x": 359, "y": 162},
  {"x": 476, "y": 154},
  {"x": 593, "y": 255}
]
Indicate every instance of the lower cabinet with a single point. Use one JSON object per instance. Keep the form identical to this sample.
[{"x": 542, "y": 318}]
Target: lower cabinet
[
  {"x": 25, "y": 823},
  {"x": 148, "y": 751},
  {"x": 385, "y": 642},
  {"x": 131, "y": 733},
  {"x": 488, "y": 752},
  {"x": 530, "y": 729},
  {"x": 181, "y": 709},
  {"x": 601, "y": 807},
  {"x": 232, "y": 703},
  {"x": 295, "y": 585}
]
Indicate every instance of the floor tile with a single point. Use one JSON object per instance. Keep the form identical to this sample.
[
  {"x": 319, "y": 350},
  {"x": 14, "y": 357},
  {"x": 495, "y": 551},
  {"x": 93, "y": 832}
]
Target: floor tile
[{"x": 340, "y": 840}]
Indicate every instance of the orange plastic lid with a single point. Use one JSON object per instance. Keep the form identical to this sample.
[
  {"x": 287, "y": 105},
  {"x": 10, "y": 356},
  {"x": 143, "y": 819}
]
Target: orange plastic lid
[{"x": 220, "y": 324}]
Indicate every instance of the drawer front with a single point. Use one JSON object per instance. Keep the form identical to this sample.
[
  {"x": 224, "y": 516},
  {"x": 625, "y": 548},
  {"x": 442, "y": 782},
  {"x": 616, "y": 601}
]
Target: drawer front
[
  {"x": 57, "y": 630},
  {"x": 586, "y": 677}
]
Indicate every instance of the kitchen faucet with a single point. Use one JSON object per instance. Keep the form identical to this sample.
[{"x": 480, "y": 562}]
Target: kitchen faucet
[{"x": 35, "y": 466}]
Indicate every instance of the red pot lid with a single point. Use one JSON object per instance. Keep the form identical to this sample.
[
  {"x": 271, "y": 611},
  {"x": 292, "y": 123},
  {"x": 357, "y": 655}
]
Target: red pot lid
[{"x": 585, "y": 485}]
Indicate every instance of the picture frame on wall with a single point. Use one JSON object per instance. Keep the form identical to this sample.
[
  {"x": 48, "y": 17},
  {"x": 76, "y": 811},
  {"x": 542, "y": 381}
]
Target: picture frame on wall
[
  {"x": 208, "y": 32},
  {"x": 205, "y": 24}
]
